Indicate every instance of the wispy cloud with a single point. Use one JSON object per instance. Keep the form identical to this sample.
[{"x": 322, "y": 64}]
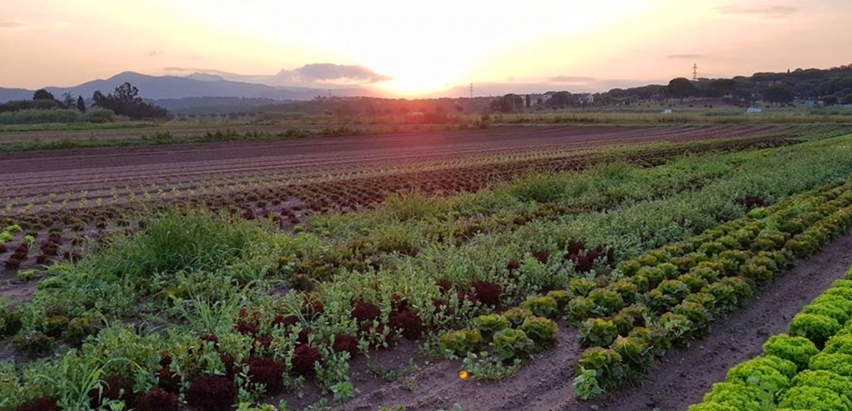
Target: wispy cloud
[
  {"x": 571, "y": 79},
  {"x": 684, "y": 56},
  {"x": 11, "y": 25},
  {"x": 758, "y": 11},
  {"x": 153, "y": 53},
  {"x": 310, "y": 74}
]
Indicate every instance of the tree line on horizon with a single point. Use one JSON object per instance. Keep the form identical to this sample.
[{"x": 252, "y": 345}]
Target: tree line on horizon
[{"x": 124, "y": 101}]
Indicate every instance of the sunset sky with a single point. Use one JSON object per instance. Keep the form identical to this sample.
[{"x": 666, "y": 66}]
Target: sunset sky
[{"x": 418, "y": 48}]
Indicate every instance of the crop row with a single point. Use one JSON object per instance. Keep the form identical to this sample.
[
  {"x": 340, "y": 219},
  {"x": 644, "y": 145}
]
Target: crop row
[
  {"x": 808, "y": 369},
  {"x": 264, "y": 195},
  {"x": 671, "y": 295}
]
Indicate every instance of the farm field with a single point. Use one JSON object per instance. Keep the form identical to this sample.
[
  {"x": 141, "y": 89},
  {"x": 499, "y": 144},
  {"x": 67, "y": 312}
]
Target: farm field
[
  {"x": 75, "y": 192},
  {"x": 553, "y": 267}
]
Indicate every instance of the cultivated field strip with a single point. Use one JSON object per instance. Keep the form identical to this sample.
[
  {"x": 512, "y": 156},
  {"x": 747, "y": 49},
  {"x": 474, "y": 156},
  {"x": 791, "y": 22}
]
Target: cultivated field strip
[{"x": 186, "y": 171}]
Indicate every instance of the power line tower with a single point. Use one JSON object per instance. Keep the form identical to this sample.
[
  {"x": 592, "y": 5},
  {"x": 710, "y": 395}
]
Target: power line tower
[{"x": 695, "y": 72}]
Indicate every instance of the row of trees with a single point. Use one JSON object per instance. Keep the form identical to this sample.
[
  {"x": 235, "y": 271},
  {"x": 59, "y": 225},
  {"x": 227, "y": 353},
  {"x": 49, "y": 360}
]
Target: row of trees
[
  {"x": 44, "y": 100},
  {"x": 124, "y": 101}
]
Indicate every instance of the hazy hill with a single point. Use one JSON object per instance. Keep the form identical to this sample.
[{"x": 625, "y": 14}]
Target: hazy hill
[{"x": 171, "y": 87}]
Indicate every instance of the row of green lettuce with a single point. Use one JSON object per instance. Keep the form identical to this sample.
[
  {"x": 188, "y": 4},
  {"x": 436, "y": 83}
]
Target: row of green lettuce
[
  {"x": 808, "y": 369},
  {"x": 671, "y": 295}
]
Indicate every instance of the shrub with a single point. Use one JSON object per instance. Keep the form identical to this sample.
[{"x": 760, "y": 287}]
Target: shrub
[
  {"x": 608, "y": 365},
  {"x": 460, "y": 342},
  {"x": 814, "y": 399},
  {"x": 408, "y": 322},
  {"x": 742, "y": 397},
  {"x": 40, "y": 404},
  {"x": 10, "y": 321},
  {"x": 817, "y": 328},
  {"x": 606, "y": 301},
  {"x": 304, "y": 359},
  {"x": 839, "y": 344},
  {"x": 840, "y": 364},
  {"x": 345, "y": 343},
  {"x": 711, "y": 406},
  {"x": 579, "y": 309},
  {"x": 541, "y": 306},
  {"x": 823, "y": 379},
  {"x": 798, "y": 350},
  {"x": 635, "y": 353},
  {"x": 266, "y": 371},
  {"x": 487, "y": 325},
  {"x": 487, "y": 293},
  {"x": 33, "y": 344},
  {"x": 835, "y": 300},
  {"x": 562, "y": 298},
  {"x": 517, "y": 315},
  {"x": 509, "y": 343},
  {"x": 597, "y": 332},
  {"x": 366, "y": 312},
  {"x": 581, "y": 286},
  {"x": 759, "y": 374},
  {"x": 667, "y": 295},
  {"x": 828, "y": 310},
  {"x": 211, "y": 393},
  {"x": 115, "y": 388},
  {"x": 541, "y": 330},
  {"x": 157, "y": 400}
]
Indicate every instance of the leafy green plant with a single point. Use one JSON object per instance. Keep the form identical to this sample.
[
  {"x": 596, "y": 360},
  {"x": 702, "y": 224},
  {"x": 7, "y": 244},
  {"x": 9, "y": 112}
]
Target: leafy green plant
[
  {"x": 607, "y": 365},
  {"x": 597, "y": 332},
  {"x": 823, "y": 379},
  {"x": 798, "y": 350},
  {"x": 817, "y": 328},
  {"x": 489, "y": 324},
  {"x": 542, "y": 306},
  {"x": 541, "y": 330},
  {"x": 742, "y": 397},
  {"x": 510, "y": 343},
  {"x": 460, "y": 342},
  {"x": 758, "y": 373},
  {"x": 814, "y": 399}
]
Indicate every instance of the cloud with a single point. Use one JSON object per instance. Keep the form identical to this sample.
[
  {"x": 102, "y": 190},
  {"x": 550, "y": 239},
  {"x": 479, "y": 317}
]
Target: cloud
[
  {"x": 153, "y": 53},
  {"x": 684, "y": 56},
  {"x": 571, "y": 79},
  {"x": 11, "y": 25},
  {"x": 327, "y": 72},
  {"x": 758, "y": 11}
]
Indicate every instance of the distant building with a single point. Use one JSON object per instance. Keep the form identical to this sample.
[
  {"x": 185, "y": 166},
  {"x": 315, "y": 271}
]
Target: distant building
[{"x": 587, "y": 99}]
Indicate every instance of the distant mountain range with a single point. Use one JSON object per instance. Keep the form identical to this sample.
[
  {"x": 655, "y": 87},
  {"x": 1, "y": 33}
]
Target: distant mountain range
[{"x": 193, "y": 86}]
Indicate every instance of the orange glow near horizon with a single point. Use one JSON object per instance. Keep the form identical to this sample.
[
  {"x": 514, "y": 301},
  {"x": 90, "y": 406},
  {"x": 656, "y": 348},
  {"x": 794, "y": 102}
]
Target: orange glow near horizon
[{"x": 424, "y": 48}]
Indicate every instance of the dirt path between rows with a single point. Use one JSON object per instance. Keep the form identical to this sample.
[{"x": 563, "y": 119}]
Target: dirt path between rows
[{"x": 681, "y": 378}]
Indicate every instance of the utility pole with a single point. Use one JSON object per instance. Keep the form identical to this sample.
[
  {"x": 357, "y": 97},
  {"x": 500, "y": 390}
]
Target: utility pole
[
  {"x": 471, "y": 91},
  {"x": 695, "y": 72}
]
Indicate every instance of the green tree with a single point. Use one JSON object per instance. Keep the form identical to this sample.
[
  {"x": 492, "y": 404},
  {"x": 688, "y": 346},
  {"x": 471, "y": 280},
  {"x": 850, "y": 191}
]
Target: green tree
[
  {"x": 722, "y": 87},
  {"x": 81, "y": 104},
  {"x": 43, "y": 94},
  {"x": 847, "y": 99},
  {"x": 779, "y": 94},
  {"x": 125, "y": 101},
  {"x": 559, "y": 98},
  {"x": 681, "y": 88},
  {"x": 67, "y": 100},
  {"x": 830, "y": 100}
]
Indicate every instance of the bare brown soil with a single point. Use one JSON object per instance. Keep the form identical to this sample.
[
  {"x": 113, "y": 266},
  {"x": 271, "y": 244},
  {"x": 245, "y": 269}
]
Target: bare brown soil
[{"x": 681, "y": 378}]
